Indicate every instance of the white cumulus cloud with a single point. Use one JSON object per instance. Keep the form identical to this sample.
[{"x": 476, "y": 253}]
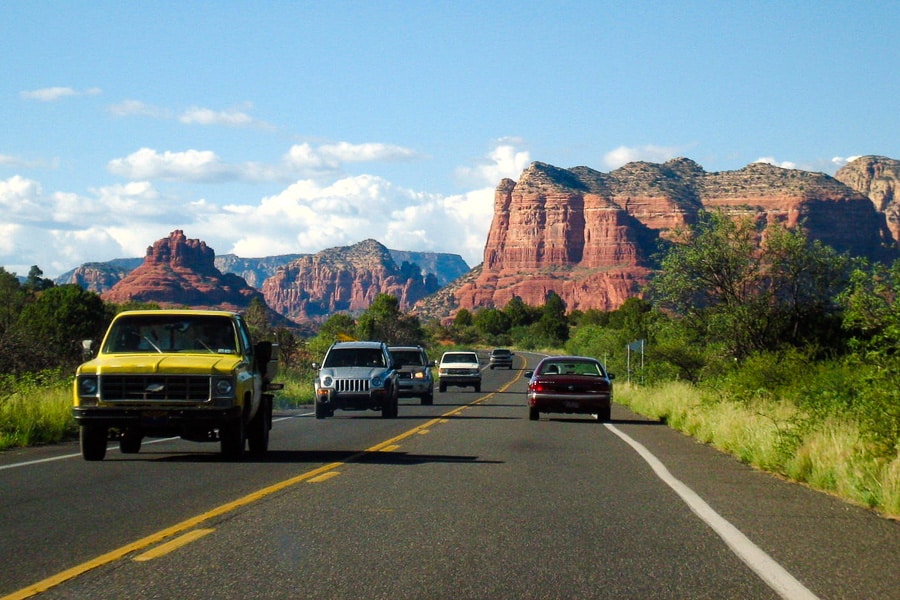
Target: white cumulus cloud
[
  {"x": 51, "y": 94},
  {"x": 231, "y": 117},
  {"x": 190, "y": 165},
  {"x": 505, "y": 160},
  {"x": 650, "y": 153},
  {"x": 770, "y": 160}
]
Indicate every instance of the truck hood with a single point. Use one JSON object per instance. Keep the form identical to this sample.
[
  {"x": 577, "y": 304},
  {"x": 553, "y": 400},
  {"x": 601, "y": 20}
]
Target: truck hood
[{"x": 156, "y": 363}]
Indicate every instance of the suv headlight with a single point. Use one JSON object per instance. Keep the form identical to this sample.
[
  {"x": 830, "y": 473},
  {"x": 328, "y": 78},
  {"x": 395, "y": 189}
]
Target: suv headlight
[
  {"x": 377, "y": 381},
  {"x": 327, "y": 381}
]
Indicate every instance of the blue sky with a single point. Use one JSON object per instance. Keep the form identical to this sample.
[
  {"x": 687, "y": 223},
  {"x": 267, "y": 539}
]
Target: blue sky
[{"x": 269, "y": 128}]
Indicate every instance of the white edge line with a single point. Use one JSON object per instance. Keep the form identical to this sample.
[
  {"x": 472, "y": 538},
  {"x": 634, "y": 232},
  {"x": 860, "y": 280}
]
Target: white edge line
[{"x": 784, "y": 584}]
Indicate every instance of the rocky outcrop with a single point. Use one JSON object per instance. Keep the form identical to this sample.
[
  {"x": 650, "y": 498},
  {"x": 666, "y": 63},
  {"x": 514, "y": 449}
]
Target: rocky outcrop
[
  {"x": 100, "y": 277},
  {"x": 178, "y": 271},
  {"x": 878, "y": 178},
  {"x": 591, "y": 236},
  {"x": 344, "y": 279}
]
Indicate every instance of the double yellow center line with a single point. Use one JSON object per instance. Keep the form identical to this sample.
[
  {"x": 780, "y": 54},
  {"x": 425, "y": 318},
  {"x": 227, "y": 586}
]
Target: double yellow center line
[{"x": 318, "y": 474}]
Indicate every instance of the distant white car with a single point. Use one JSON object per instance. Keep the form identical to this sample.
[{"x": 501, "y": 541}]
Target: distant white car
[{"x": 461, "y": 369}]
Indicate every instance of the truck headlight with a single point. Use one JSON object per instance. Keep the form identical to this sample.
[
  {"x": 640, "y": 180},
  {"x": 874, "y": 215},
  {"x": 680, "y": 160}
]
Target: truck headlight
[
  {"x": 224, "y": 387},
  {"x": 87, "y": 386}
]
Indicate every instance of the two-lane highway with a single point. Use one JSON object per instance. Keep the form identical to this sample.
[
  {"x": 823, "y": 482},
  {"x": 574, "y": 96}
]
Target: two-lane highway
[{"x": 463, "y": 499}]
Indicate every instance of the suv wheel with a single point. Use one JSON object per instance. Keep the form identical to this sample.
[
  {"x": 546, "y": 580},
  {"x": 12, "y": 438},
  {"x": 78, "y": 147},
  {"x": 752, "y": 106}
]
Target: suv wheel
[{"x": 321, "y": 411}]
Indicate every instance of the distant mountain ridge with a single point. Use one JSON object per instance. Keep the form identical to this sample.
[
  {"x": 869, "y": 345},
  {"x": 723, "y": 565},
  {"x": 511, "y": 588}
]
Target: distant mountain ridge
[
  {"x": 586, "y": 235},
  {"x": 102, "y": 276}
]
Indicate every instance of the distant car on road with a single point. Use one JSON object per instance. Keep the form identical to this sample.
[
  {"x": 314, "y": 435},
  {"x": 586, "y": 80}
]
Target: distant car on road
[
  {"x": 501, "y": 357},
  {"x": 572, "y": 385},
  {"x": 460, "y": 368},
  {"x": 414, "y": 376}
]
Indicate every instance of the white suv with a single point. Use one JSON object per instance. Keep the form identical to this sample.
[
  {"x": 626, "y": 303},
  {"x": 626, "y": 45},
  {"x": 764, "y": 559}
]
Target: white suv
[{"x": 460, "y": 369}]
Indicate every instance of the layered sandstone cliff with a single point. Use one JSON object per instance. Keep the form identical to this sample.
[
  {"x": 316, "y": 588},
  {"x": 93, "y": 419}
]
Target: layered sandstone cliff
[
  {"x": 344, "y": 279},
  {"x": 878, "y": 178},
  {"x": 178, "y": 271},
  {"x": 591, "y": 236}
]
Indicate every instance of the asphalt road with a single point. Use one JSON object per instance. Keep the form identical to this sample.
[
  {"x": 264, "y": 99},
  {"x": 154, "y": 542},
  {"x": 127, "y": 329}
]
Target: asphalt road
[{"x": 463, "y": 499}]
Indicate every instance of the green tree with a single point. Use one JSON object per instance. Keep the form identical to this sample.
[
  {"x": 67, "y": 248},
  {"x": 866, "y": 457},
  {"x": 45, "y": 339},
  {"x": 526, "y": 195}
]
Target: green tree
[
  {"x": 384, "y": 321},
  {"x": 490, "y": 323},
  {"x": 553, "y": 326},
  {"x": 35, "y": 282},
  {"x": 749, "y": 295},
  {"x": 12, "y": 299},
  {"x": 60, "y": 318},
  {"x": 519, "y": 313},
  {"x": 337, "y": 327},
  {"x": 871, "y": 304},
  {"x": 257, "y": 318}
]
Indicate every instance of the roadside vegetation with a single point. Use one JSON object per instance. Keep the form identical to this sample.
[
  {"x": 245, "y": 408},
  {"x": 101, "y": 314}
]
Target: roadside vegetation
[{"x": 774, "y": 348}]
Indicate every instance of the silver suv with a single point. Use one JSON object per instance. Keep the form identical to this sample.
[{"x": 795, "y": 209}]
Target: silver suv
[
  {"x": 357, "y": 376},
  {"x": 416, "y": 379}
]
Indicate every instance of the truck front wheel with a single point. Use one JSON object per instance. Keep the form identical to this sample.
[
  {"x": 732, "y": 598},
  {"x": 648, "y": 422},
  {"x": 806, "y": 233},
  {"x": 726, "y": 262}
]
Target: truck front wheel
[
  {"x": 130, "y": 442},
  {"x": 258, "y": 434},
  {"x": 93, "y": 442},
  {"x": 233, "y": 438}
]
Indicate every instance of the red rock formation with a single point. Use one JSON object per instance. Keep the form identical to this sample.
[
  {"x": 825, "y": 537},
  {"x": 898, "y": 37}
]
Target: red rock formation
[
  {"x": 878, "y": 178},
  {"x": 344, "y": 279},
  {"x": 181, "y": 272},
  {"x": 590, "y": 236}
]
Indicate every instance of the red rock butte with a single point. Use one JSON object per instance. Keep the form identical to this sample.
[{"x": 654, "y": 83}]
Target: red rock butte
[{"x": 590, "y": 236}]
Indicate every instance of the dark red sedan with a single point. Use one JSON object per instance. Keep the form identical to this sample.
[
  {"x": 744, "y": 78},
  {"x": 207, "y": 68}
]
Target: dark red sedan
[{"x": 570, "y": 384}]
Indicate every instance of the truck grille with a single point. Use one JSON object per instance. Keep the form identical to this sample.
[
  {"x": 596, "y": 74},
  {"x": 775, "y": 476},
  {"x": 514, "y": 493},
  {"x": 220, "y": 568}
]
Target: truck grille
[
  {"x": 459, "y": 371},
  {"x": 157, "y": 388},
  {"x": 351, "y": 386}
]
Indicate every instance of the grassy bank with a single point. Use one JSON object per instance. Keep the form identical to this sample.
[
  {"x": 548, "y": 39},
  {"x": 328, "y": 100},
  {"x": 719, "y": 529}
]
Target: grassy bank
[
  {"x": 829, "y": 455},
  {"x": 35, "y": 410}
]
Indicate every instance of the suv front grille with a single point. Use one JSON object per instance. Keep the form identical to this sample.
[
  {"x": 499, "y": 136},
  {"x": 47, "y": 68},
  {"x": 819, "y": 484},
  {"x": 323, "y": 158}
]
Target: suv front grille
[
  {"x": 351, "y": 386},
  {"x": 156, "y": 388}
]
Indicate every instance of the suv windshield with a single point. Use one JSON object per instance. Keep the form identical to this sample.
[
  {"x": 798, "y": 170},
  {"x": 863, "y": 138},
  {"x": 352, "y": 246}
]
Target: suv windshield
[
  {"x": 172, "y": 333},
  {"x": 460, "y": 358},
  {"x": 409, "y": 358},
  {"x": 354, "y": 357}
]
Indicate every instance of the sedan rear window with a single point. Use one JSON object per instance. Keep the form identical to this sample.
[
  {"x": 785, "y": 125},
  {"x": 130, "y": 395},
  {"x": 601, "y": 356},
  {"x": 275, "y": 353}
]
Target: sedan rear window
[{"x": 572, "y": 368}]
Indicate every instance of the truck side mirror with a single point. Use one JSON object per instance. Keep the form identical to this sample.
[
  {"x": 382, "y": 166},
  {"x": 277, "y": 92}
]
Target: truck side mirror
[{"x": 87, "y": 349}]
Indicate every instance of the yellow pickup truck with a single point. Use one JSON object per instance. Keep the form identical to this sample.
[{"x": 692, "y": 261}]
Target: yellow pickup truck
[{"x": 189, "y": 373}]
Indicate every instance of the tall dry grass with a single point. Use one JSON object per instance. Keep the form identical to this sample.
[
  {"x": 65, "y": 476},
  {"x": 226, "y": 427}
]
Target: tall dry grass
[
  {"x": 773, "y": 435},
  {"x": 33, "y": 413}
]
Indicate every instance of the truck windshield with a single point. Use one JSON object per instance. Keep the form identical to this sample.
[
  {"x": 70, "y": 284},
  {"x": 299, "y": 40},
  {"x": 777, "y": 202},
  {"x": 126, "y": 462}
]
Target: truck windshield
[{"x": 204, "y": 334}]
